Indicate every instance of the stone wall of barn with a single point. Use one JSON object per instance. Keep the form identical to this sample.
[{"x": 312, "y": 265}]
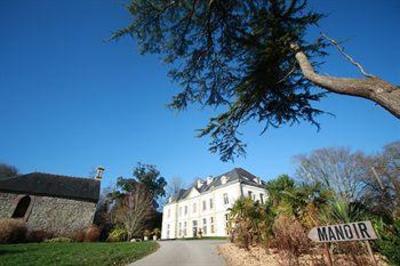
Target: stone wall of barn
[{"x": 57, "y": 215}]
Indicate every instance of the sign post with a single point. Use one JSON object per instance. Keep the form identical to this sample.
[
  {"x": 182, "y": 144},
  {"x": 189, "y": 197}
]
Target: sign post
[{"x": 357, "y": 231}]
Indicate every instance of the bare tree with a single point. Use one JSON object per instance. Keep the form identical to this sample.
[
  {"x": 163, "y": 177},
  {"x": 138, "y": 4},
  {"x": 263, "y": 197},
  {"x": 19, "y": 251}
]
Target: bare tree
[
  {"x": 382, "y": 191},
  {"x": 7, "y": 171},
  {"x": 337, "y": 168},
  {"x": 175, "y": 184},
  {"x": 133, "y": 210}
]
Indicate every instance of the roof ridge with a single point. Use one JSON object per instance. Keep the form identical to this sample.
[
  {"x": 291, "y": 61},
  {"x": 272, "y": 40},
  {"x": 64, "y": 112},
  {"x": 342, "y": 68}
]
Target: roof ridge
[{"x": 58, "y": 175}]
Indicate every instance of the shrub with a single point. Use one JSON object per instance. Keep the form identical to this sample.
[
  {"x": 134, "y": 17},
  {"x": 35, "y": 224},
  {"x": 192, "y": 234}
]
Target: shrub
[
  {"x": 389, "y": 242},
  {"x": 118, "y": 234},
  {"x": 38, "y": 236},
  {"x": 92, "y": 234},
  {"x": 60, "y": 239},
  {"x": 12, "y": 231},
  {"x": 290, "y": 238},
  {"x": 78, "y": 236},
  {"x": 157, "y": 232},
  {"x": 147, "y": 233}
]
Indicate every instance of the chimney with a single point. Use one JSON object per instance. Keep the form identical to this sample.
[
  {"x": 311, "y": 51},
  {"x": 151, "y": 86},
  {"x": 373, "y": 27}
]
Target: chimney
[
  {"x": 99, "y": 173},
  {"x": 258, "y": 180},
  {"x": 199, "y": 183},
  {"x": 209, "y": 180}
]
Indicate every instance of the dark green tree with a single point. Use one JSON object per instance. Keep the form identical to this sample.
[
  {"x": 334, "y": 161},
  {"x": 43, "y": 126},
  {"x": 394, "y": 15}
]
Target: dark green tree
[
  {"x": 7, "y": 171},
  {"x": 249, "y": 58},
  {"x": 150, "y": 177}
]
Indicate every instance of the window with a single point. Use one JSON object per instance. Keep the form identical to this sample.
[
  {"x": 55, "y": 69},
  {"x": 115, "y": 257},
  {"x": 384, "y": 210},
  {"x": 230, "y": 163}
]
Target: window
[
  {"x": 262, "y": 198},
  {"x": 226, "y": 199},
  {"x": 169, "y": 213},
  {"x": 250, "y": 193},
  {"x": 184, "y": 228},
  {"x": 212, "y": 225},
  {"x": 211, "y": 203},
  {"x": 204, "y": 205},
  {"x": 186, "y": 210},
  {"x": 194, "y": 207},
  {"x": 168, "y": 230},
  {"x": 204, "y": 226},
  {"x": 22, "y": 207},
  {"x": 179, "y": 229},
  {"x": 180, "y": 211}
]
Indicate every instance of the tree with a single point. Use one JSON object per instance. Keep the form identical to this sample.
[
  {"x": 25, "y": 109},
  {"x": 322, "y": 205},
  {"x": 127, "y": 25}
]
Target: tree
[
  {"x": 149, "y": 176},
  {"x": 134, "y": 208},
  {"x": 338, "y": 169},
  {"x": 250, "y": 58},
  {"x": 174, "y": 185},
  {"x": 7, "y": 171},
  {"x": 382, "y": 191}
]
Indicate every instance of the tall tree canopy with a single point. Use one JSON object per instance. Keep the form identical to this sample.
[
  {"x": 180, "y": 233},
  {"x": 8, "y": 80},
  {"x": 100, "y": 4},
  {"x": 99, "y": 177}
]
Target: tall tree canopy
[
  {"x": 150, "y": 177},
  {"x": 248, "y": 57},
  {"x": 7, "y": 170}
]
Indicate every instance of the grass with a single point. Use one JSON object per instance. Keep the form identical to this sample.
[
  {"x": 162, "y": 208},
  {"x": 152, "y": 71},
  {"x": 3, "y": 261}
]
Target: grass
[{"x": 74, "y": 253}]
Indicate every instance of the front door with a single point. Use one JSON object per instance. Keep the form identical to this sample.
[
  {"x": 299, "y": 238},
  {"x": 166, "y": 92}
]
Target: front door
[{"x": 194, "y": 228}]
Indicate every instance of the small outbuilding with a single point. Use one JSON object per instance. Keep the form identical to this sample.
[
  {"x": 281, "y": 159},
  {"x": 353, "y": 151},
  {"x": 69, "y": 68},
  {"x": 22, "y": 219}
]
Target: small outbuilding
[{"x": 53, "y": 203}]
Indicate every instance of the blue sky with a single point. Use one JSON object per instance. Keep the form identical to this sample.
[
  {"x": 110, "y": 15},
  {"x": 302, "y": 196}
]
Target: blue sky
[{"x": 70, "y": 101}]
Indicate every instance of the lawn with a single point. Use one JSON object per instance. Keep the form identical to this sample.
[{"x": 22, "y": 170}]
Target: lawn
[{"x": 74, "y": 253}]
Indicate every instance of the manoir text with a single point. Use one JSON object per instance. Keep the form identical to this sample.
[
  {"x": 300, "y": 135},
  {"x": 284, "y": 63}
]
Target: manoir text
[{"x": 343, "y": 232}]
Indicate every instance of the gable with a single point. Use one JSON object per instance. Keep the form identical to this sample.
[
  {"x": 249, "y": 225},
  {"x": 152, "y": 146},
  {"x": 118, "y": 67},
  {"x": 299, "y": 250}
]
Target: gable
[{"x": 193, "y": 193}]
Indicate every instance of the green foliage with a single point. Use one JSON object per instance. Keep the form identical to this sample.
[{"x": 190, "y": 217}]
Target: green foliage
[
  {"x": 38, "y": 254},
  {"x": 249, "y": 222},
  {"x": 149, "y": 176},
  {"x": 235, "y": 54},
  {"x": 7, "y": 171},
  {"x": 389, "y": 241},
  {"x": 118, "y": 234}
]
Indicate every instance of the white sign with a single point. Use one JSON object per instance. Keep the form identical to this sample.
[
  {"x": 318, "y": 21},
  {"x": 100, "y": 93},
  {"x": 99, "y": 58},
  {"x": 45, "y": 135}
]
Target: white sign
[{"x": 343, "y": 232}]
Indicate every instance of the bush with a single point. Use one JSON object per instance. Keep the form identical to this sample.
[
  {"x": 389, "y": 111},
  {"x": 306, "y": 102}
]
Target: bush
[
  {"x": 157, "y": 232},
  {"x": 38, "y": 236},
  {"x": 92, "y": 234},
  {"x": 389, "y": 243},
  {"x": 290, "y": 238},
  {"x": 61, "y": 239},
  {"x": 79, "y": 236},
  {"x": 117, "y": 235},
  {"x": 12, "y": 231}
]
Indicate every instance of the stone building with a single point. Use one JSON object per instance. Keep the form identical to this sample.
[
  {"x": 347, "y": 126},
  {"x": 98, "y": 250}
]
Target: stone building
[{"x": 54, "y": 203}]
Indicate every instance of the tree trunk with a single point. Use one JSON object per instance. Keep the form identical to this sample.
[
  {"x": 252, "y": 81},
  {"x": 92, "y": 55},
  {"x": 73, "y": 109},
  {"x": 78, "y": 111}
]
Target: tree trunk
[{"x": 374, "y": 89}]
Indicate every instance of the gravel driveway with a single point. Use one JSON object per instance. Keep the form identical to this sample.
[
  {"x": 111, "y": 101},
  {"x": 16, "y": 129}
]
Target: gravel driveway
[{"x": 184, "y": 253}]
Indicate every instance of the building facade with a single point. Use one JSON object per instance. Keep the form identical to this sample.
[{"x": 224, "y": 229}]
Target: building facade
[
  {"x": 203, "y": 208},
  {"x": 53, "y": 203}
]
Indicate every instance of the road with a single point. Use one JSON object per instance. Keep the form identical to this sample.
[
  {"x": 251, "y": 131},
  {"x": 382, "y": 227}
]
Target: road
[{"x": 184, "y": 253}]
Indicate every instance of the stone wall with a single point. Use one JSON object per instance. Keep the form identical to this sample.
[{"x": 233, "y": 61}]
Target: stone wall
[
  {"x": 7, "y": 204},
  {"x": 58, "y": 215}
]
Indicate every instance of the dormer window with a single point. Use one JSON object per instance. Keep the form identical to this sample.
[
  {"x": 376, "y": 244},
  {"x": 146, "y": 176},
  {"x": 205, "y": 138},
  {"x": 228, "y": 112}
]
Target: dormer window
[{"x": 224, "y": 179}]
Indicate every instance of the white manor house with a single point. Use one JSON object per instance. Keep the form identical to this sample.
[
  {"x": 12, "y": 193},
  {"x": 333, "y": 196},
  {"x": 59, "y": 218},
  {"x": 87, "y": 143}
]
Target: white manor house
[{"x": 204, "y": 206}]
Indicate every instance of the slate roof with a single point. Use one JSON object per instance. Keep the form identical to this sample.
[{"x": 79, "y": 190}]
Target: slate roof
[
  {"x": 43, "y": 184},
  {"x": 238, "y": 174}
]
